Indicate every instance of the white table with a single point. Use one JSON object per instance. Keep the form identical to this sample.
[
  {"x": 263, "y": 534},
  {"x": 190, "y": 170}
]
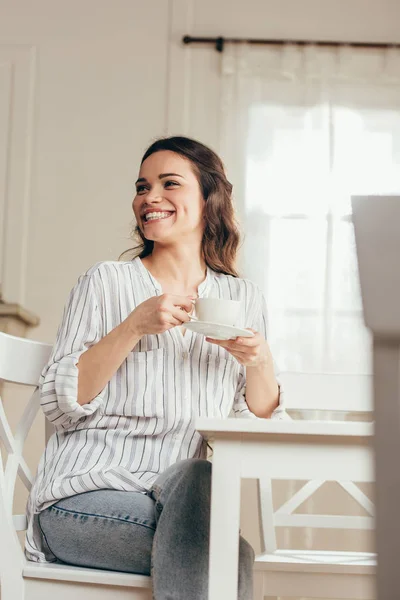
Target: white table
[{"x": 247, "y": 448}]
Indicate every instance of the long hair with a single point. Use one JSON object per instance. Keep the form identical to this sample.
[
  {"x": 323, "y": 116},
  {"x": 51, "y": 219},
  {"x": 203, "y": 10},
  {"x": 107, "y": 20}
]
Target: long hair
[{"x": 221, "y": 234}]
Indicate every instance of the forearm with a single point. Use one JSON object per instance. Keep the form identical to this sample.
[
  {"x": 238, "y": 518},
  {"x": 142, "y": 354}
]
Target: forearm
[
  {"x": 262, "y": 390},
  {"x": 98, "y": 364}
]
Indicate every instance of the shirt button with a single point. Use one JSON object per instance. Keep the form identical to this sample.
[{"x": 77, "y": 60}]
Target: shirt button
[{"x": 185, "y": 354}]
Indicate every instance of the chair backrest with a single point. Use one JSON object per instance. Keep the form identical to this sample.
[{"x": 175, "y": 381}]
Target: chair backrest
[
  {"x": 285, "y": 515},
  {"x": 332, "y": 392},
  {"x": 21, "y": 361},
  {"x": 336, "y": 392}
]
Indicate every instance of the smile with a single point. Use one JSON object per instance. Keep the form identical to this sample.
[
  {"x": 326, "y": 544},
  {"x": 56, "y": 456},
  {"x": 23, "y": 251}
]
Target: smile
[{"x": 156, "y": 216}]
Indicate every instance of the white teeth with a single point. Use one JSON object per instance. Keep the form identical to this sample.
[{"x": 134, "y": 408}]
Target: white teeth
[{"x": 156, "y": 215}]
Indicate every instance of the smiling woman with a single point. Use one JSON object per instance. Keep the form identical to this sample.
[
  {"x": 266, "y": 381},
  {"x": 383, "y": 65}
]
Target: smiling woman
[
  {"x": 198, "y": 176},
  {"x": 125, "y": 384}
]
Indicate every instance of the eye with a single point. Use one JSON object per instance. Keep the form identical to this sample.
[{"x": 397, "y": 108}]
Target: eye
[
  {"x": 171, "y": 183},
  {"x": 140, "y": 189}
]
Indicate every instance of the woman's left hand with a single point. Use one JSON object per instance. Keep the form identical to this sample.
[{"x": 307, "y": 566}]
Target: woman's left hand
[{"x": 250, "y": 352}]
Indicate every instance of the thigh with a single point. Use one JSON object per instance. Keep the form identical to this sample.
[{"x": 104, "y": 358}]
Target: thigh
[
  {"x": 105, "y": 529},
  {"x": 189, "y": 472}
]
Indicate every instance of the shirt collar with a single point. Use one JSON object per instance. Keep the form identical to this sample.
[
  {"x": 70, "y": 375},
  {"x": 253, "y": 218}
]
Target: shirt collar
[{"x": 148, "y": 278}]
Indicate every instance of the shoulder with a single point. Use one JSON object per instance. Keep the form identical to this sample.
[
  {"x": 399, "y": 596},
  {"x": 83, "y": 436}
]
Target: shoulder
[
  {"x": 108, "y": 274},
  {"x": 238, "y": 288},
  {"x": 109, "y": 269}
]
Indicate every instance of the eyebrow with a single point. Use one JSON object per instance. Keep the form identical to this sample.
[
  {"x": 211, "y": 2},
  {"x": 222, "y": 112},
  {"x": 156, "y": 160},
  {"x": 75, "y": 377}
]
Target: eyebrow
[{"x": 161, "y": 176}]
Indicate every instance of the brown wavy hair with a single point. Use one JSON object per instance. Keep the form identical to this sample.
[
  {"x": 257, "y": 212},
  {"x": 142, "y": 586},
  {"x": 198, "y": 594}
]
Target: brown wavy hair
[{"x": 221, "y": 234}]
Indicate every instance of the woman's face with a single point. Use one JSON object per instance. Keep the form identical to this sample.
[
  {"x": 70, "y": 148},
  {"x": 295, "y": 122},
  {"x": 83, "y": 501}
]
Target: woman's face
[{"x": 168, "y": 205}]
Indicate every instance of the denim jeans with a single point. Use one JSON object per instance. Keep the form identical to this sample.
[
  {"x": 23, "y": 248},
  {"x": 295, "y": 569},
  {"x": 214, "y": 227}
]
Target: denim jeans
[{"x": 165, "y": 533}]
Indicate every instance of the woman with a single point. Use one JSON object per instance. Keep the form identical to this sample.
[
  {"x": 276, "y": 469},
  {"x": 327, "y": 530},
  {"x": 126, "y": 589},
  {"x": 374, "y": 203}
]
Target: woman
[{"x": 123, "y": 483}]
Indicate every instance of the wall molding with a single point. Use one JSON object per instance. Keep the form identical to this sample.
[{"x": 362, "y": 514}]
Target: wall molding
[
  {"x": 178, "y": 68},
  {"x": 17, "y": 81},
  {"x": 16, "y": 311}
]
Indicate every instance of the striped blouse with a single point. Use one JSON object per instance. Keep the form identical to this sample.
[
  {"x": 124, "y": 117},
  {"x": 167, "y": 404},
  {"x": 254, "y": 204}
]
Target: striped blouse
[{"x": 143, "y": 421}]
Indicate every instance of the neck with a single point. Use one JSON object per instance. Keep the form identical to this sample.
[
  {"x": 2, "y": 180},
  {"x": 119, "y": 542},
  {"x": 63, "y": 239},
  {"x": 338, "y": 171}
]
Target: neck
[{"x": 180, "y": 266}]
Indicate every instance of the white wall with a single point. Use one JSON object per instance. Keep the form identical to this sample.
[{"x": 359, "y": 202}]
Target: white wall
[
  {"x": 101, "y": 76},
  {"x": 343, "y": 20}
]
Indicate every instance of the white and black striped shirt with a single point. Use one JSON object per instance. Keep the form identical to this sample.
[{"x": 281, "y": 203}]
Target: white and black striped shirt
[{"x": 144, "y": 419}]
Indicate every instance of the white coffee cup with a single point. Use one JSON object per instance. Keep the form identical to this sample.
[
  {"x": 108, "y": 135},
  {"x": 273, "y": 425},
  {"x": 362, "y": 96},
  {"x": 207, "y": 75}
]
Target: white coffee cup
[{"x": 217, "y": 310}]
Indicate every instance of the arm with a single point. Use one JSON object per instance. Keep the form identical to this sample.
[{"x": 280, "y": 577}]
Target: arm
[
  {"x": 99, "y": 363},
  {"x": 262, "y": 389},
  {"x": 259, "y": 393},
  {"x": 82, "y": 362},
  {"x": 263, "y": 392},
  {"x": 258, "y": 389},
  {"x": 73, "y": 383},
  {"x": 79, "y": 330}
]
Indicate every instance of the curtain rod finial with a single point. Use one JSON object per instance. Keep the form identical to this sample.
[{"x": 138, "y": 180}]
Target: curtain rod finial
[{"x": 219, "y": 44}]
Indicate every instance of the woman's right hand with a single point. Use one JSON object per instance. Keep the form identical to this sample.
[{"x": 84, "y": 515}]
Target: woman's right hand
[{"x": 160, "y": 313}]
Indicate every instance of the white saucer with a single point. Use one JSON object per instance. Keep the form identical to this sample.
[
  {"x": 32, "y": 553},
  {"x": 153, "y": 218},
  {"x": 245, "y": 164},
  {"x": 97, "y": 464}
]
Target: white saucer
[{"x": 217, "y": 331}]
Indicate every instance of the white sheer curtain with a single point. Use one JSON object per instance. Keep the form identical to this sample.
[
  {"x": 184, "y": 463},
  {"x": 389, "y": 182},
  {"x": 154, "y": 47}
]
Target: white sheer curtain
[{"x": 302, "y": 129}]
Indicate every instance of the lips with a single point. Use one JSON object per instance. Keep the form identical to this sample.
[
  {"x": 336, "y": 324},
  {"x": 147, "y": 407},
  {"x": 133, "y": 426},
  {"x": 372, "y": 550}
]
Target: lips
[{"x": 156, "y": 215}]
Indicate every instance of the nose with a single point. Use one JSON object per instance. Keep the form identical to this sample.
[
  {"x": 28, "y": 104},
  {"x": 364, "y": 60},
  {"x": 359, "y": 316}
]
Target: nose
[{"x": 153, "y": 197}]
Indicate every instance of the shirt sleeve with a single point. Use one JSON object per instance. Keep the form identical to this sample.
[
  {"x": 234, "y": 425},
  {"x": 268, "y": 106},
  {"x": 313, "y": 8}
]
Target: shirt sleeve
[
  {"x": 259, "y": 322},
  {"x": 79, "y": 329}
]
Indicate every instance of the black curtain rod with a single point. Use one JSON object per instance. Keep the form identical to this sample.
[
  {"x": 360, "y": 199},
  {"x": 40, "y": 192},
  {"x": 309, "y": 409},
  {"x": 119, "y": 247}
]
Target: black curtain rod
[{"x": 219, "y": 42}]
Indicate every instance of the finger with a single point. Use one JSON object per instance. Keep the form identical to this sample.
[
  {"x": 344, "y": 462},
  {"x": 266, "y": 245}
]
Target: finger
[
  {"x": 180, "y": 314},
  {"x": 232, "y": 342},
  {"x": 232, "y": 348},
  {"x": 228, "y": 345},
  {"x": 240, "y": 356},
  {"x": 174, "y": 322},
  {"x": 182, "y": 301},
  {"x": 247, "y": 342},
  {"x": 223, "y": 343}
]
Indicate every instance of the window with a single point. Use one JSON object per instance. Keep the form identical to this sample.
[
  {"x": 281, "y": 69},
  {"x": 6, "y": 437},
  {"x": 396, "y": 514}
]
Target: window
[{"x": 301, "y": 140}]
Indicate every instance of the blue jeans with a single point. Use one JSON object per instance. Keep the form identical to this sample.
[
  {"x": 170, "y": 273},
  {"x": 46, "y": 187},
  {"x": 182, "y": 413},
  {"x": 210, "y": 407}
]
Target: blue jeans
[{"x": 165, "y": 533}]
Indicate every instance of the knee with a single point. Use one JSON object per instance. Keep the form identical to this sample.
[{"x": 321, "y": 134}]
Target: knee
[
  {"x": 246, "y": 562},
  {"x": 246, "y": 555},
  {"x": 187, "y": 478},
  {"x": 196, "y": 469},
  {"x": 194, "y": 473}
]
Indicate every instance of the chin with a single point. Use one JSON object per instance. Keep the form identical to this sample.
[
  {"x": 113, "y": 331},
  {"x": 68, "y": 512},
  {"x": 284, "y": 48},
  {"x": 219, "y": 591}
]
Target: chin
[
  {"x": 159, "y": 232},
  {"x": 163, "y": 239},
  {"x": 154, "y": 236}
]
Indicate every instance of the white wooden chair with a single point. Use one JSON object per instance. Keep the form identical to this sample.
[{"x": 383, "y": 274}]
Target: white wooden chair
[
  {"x": 21, "y": 361},
  {"x": 336, "y": 394},
  {"x": 307, "y": 573}
]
